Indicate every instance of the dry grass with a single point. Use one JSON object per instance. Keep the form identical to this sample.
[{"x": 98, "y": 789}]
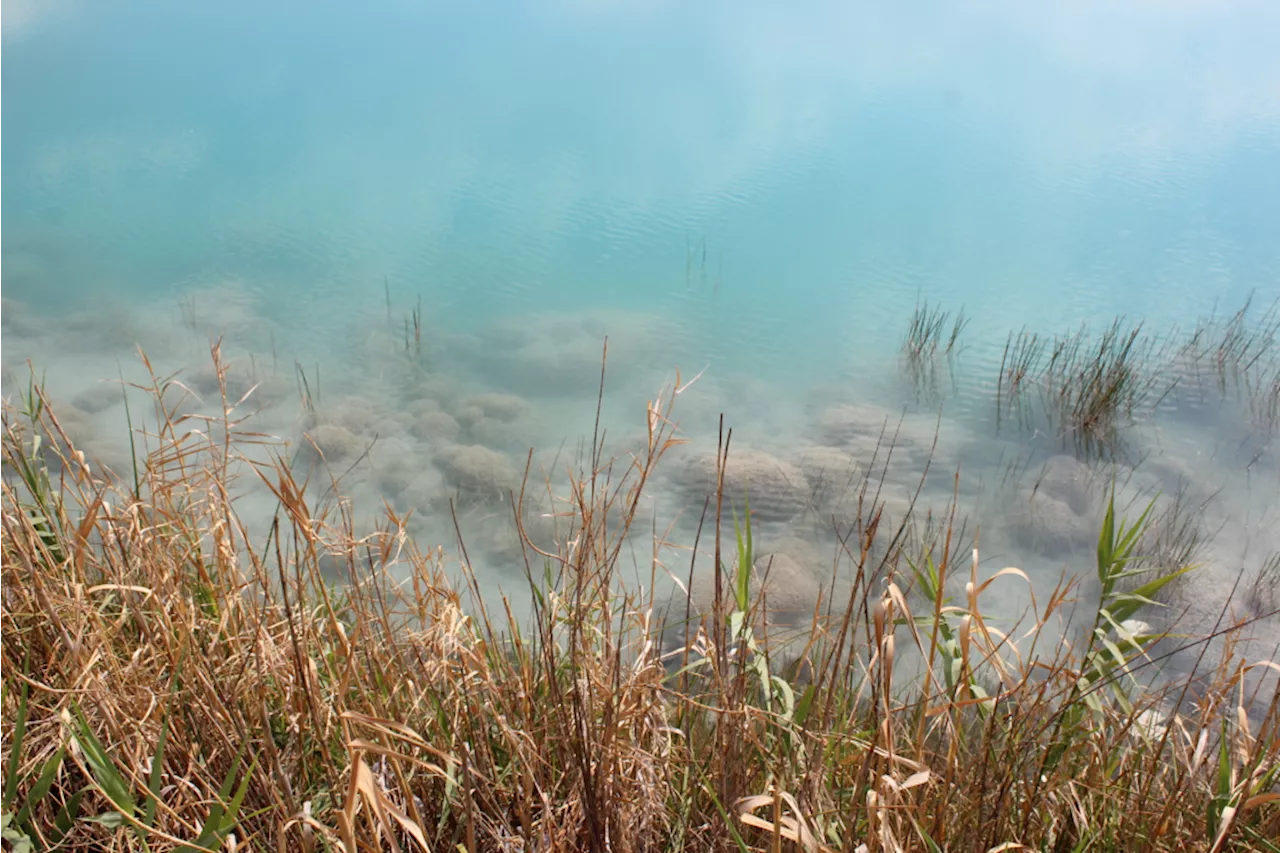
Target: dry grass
[{"x": 168, "y": 680}]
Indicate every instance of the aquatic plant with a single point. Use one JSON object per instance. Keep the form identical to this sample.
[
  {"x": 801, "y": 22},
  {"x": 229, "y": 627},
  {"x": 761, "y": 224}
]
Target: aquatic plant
[
  {"x": 308, "y": 399},
  {"x": 1019, "y": 367},
  {"x": 931, "y": 333},
  {"x": 1176, "y": 536},
  {"x": 412, "y": 328},
  {"x": 1235, "y": 360},
  {"x": 1263, "y": 594},
  {"x": 152, "y": 645},
  {"x": 1231, "y": 350},
  {"x": 1089, "y": 386},
  {"x": 1094, "y": 386}
]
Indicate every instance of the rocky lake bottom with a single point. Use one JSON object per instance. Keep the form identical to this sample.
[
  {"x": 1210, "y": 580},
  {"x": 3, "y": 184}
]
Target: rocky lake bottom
[{"x": 445, "y": 424}]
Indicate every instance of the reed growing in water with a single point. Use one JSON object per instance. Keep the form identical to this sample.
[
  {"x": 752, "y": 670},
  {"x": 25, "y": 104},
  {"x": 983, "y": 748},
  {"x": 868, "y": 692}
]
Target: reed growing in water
[
  {"x": 1089, "y": 387},
  {"x": 172, "y": 684},
  {"x": 931, "y": 333}
]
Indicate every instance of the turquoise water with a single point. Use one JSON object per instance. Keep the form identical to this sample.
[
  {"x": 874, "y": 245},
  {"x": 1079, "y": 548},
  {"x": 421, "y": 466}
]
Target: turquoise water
[{"x": 762, "y": 190}]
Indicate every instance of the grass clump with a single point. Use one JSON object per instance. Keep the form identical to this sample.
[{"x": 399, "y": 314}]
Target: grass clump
[
  {"x": 1228, "y": 352},
  {"x": 174, "y": 681},
  {"x": 1089, "y": 387},
  {"x": 931, "y": 334}
]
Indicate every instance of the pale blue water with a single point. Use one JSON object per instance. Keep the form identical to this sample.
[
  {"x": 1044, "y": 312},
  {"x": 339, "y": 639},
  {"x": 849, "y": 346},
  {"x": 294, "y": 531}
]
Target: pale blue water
[
  {"x": 1039, "y": 167},
  {"x": 764, "y": 188}
]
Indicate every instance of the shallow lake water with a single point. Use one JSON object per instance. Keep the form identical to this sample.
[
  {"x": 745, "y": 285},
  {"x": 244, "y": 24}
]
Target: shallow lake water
[{"x": 755, "y": 193}]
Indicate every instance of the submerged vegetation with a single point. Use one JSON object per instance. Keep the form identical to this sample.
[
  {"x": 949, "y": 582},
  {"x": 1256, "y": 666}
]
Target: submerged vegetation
[
  {"x": 1237, "y": 359},
  {"x": 931, "y": 333},
  {"x": 1232, "y": 352},
  {"x": 1087, "y": 387},
  {"x": 173, "y": 683}
]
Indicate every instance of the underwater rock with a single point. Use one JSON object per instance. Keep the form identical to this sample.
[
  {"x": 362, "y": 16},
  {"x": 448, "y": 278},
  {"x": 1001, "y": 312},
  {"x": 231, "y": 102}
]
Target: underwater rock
[
  {"x": 423, "y": 406},
  {"x": 803, "y": 549},
  {"x": 503, "y": 407},
  {"x": 435, "y": 426},
  {"x": 231, "y": 310},
  {"x": 479, "y": 475},
  {"x": 425, "y": 492},
  {"x": 1049, "y": 526},
  {"x": 832, "y": 473},
  {"x": 330, "y": 443},
  {"x": 895, "y": 446},
  {"x": 1070, "y": 481},
  {"x": 395, "y": 465},
  {"x": 847, "y": 426},
  {"x": 355, "y": 414},
  {"x": 107, "y": 325},
  {"x": 495, "y": 419},
  {"x": 561, "y": 353},
  {"x": 427, "y": 388},
  {"x": 85, "y": 436},
  {"x": 99, "y": 397},
  {"x": 392, "y": 479},
  {"x": 777, "y": 491},
  {"x": 783, "y": 592},
  {"x": 8, "y": 378},
  {"x": 240, "y": 379},
  {"x": 17, "y": 319},
  {"x": 502, "y": 539}
]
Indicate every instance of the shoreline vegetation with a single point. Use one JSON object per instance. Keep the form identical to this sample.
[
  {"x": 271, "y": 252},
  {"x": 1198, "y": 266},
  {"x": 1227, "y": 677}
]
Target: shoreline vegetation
[{"x": 173, "y": 683}]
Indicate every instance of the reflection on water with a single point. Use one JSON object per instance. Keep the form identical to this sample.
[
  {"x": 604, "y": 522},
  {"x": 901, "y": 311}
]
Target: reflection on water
[{"x": 417, "y": 227}]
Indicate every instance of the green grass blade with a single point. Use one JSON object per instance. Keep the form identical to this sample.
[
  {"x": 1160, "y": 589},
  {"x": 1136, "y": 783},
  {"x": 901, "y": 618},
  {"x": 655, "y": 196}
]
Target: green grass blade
[
  {"x": 1106, "y": 541},
  {"x": 15, "y": 749},
  {"x": 42, "y": 785},
  {"x": 153, "y": 784},
  {"x": 103, "y": 768},
  {"x": 66, "y": 817},
  {"x": 223, "y": 814},
  {"x": 133, "y": 450},
  {"x": 1130, "y": 602}
]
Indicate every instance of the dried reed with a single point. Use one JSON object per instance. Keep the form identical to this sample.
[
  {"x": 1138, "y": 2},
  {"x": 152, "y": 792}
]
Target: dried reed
[{"x": 173, "y": 683}]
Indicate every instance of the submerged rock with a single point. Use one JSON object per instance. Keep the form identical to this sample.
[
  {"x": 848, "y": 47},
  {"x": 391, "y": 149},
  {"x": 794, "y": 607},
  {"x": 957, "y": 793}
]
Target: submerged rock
[
  {"x": 355, "y": 414},
  {"x": 1049, "y": 526},
  {"x": 561, "y": 352},
  {"x": 246, "y": 387},
  {"x": 1070, "y": 481},
  {"x": 891, "y": 446},
  {"x": 395, "y": 465},
  {"x": 777, "y": 491},
  {"x": 83, "y": 435},
  {"x": 99, "y": 397},
  {"x": 831, "y": 473},
  {"x": 784, "y": 598},
  {"x": 851, "y": 426},
  {"x": 435, "y": 426},
  {"x": 495, "y": 419},
  {"x": 1056, "y": 510},
  {"x": 428, "y": 389},
  {"x": 329, "y": 443},
  {"x": 504, "y": 543},
  {"x": 425, "y": 493},
  {"x": 478, "y": 474},
  {"x": 17, "y": 319}
]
